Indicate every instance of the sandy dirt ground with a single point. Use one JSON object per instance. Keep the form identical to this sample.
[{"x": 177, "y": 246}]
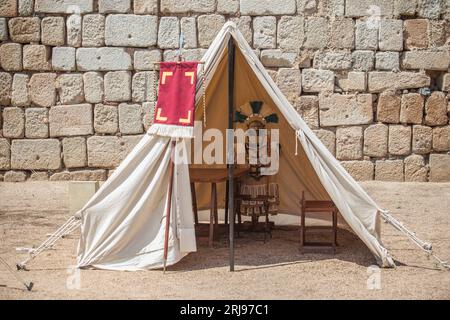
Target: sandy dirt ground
[{"x": 272, "y": 270}]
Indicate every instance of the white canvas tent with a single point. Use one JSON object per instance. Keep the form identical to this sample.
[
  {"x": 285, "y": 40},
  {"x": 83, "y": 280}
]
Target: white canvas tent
[{"x": 122, "y": 226}]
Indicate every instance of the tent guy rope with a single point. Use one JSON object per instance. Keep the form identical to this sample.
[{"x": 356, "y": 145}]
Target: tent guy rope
[{"x": 425, "y": 246}]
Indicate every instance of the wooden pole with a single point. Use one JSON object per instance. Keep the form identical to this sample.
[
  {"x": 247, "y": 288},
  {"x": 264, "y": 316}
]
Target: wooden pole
[
  {"x": 169, "y": 203},
  {"x": 230, "y": 147}
]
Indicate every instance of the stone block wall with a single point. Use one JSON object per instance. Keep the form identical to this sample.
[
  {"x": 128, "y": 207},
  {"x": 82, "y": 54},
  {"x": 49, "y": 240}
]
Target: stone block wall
[{"x": 370, "y": 77}]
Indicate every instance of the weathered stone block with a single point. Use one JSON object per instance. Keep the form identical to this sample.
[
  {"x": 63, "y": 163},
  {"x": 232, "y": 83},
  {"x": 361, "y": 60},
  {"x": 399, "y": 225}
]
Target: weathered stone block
[
  {"x": 436, "y": 109},
  {"x": 382, "y": 80},
  {"x": 389, "y": 170},
  {"x": 422, "y": 139},
  {"x": 289, "y": 82},
  {"x": 349, "y": 142},
  {"x": 437, "y": 32},
  {"x": 63, "y": 58},
  {"x": 11, "y": 56},
  {"x": 405, "y": 7},
  {"x": 390, "y": 35},
  {"x": 93, "y": 87},
  {"x": 93, "y": 30},
  {"x": 376, "y": 140},
  {"x": 114, "y": 6},
  {"x": 277, "y": 59},
  {"x": 339, "y": 110},
  {"x": 415, "y": 169},
  {"x": 145, "y": 6},
  {"x": 291, "y": 33},
  {"x": 70, "y": 88},
  {"x": 266, "y": 7},
  {"x": 399, "y": 140},
  {"x": 8, "y": 8},
  {"x": 361, "y": 8},
  {"x": 130, "y": 118},
  {"x": 426, "y": 59},
  {"x": 143, "y": 86},
  {"x": 176, "y": 6},
  {"x": 3, "y": 29},
  {"x": 148, "y": 110},
  {"x": 334, "y": 8},
  {"x": 264, "y": 36},
  {"x": 244, "y": 25},
  {"x": 13, "y": 122},
  {"x": 317, "y": 33},
  {"x": 439, "y": 167},
  {"x": 189, "y": 30},
  {"x": 227, "y": 6},
  {"x": 60, "y": 176},
  {"x": 35, "y": 57},
  {"x": 5, "y": 88},
  {"x": 63, "y": 6},
  {"x": 5, "y": 154},
  {"x": 106, "y": 119},
  {"x": 333, "y": 60},
  {"x": 39, "y": 176},
  {"x": 328, "y": 139},
  {"x": 314, "y": 80},
  {"x": 74, "y": 152},
  {"x": 36, "y": 123},
  {"x": 362, "y": 60},
  {"x": 359, "y": 170},
  {"x": 88, "y": 175},
  {"x": 15, "y": 176},
  {"x": 71, "y": 120},
  {"x": 355, "y": 81},
  {"x": 387, "y": 61},
  {"x": 74, "y": 30},
  {"x": 416, "y": 33},
  {"x": 147, "y": 59},
  {"x": 443, "y": 82},
  {"x": 53, "y": 33},
  {"x": 19, "y": 96},
  {"x": 103, "y": 59},
  {"x": 388, "y": 109},
  {"x": 208, "y": 27},
  {"x": 366, "y": 35},
  {"x": 41, "y": 89},
  {"x": 430, "y": 9},
  {"x": 188, "y": 54},
  {"x": 342, "y": 34},
  {"x": 117, "y": 86},
  {"x": 412, "y": 108},
  {"x": 109, "y": 151},
  {"x": 168, "y": 32},
  {"x": 36, "y": 154},
  {"x": 25, "y": 30},
  {"x": 131, "y": 30},
  {"x": 25, "y": 7},
  {"x": 441, "y": 138},
  {"x": 308, "y": 108}
]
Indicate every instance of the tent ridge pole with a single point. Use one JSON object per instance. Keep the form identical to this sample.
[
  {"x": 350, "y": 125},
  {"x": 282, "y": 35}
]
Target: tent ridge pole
[{"x": 230, "y": 147}]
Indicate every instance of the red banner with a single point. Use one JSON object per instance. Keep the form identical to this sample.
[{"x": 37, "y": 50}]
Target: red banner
[{"x": 174, "y": 110}]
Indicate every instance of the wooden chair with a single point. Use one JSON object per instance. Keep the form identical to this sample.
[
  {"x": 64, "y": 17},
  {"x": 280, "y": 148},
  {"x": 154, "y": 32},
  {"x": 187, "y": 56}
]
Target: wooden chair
[{"x": 311, "y": 206}]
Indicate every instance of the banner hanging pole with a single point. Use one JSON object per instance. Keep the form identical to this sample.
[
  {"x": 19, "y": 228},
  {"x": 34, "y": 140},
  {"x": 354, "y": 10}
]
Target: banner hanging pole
[
  {"x": 169, "y": 203},
  {"x": 230, "y": 148}
]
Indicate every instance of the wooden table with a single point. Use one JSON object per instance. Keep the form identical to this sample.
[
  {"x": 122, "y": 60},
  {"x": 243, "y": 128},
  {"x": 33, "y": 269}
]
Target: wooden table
[{"x": 213, "y": 176}]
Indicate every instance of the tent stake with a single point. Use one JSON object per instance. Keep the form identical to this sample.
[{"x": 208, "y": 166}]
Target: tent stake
[
  {"x": 169, "y": 203},
  {"x": 230, "y": 148}
]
